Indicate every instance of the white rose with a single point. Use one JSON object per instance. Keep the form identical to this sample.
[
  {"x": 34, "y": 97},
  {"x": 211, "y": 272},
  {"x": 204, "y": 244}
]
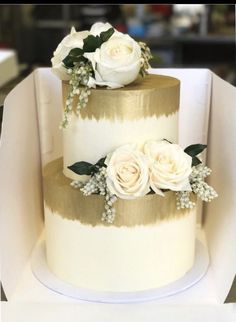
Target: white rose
[
  {"x": 170, "y": 166},
  {"x": 117, "y": 62},
  {"x": 99, "y": 27},
  {"x": 73, "y": 40},
  {"x": 127, "y": 173}
]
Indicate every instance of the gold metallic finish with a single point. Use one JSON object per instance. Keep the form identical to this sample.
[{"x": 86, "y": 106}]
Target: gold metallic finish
[
  {"x": 71, "y": 204},
  {"x": 155, "y": 95}
]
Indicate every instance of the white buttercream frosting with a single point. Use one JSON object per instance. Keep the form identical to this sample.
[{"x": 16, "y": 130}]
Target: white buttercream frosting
[
  {"x": 120, "y": 258},
  {"x": 89, "y": 140}
]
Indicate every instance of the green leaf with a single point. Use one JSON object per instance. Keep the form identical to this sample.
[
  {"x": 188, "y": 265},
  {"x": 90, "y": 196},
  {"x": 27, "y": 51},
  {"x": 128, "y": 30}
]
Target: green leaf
[
  {"x": 101, "y": 163},
  {"x": 195, "y": 149},
  {"x": 82, "y": 168},
  {"x": 167, "y": 141},
  {"x": 68, "y": 62},
  {"x": 87, "y": 168},
  {"x": 105, "y": 35},
  {"x": 151, "y": 192},
  {"x": 195, "y": 161},
  {"x": 79, "y": 59},
  {"x": 91, "y": 43},
  {"x": 76, "y": 52}
]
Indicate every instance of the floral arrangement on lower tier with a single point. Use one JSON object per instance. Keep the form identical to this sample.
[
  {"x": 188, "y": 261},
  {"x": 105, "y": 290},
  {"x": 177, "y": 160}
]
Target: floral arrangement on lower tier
[
  {"x": 101, "y": 56},
  {"x": 131, "y": 172}
]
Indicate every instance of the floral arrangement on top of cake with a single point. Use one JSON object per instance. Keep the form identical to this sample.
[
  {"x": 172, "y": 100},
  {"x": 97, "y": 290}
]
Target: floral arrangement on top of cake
[
  {"x": 133, "y": 171},
  {"x": 101, "y": 56}
]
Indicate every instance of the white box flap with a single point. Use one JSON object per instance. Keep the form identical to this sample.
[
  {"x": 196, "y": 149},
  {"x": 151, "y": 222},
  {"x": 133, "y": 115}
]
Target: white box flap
[
  {"x": 49, "y": 107},
  {"x": 9, "y": 68},
  {"x": 21, "y": 205},
  {"x": 220, "y": 221}
]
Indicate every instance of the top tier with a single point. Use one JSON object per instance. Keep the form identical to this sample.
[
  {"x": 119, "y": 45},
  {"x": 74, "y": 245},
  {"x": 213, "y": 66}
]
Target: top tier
[
  {"x": 155, "y": 95},
  {"x": 146, "y": 110}
]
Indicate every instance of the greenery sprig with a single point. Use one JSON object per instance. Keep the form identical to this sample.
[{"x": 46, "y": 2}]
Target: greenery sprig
[
  {"x": 90, "y": 44},
  {"x": 80, "y": 70},
  {"x": 96, "y": 185},
  {"x": 193, "y": 150},
  {"x": 86, "y": 168},
  {"x": 198, "y": 186},
  {"x": 79, "y": 77}
]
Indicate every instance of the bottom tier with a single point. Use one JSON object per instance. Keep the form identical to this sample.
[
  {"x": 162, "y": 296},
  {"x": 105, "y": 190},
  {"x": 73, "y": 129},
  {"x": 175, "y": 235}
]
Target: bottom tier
[{"x": 128, "y": 257}]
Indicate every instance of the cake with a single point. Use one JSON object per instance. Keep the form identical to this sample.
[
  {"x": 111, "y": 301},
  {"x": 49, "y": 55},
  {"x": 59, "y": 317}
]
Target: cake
[{"x": 145, "y": 237}]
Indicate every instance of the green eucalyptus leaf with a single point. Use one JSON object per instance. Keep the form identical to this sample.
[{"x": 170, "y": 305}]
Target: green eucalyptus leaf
[
  {"x": 105, "y": 35},
  {"x": 101, "y": 162},
  {"x": 68, "y": 62},
  {"x": 99, "y": 165},
  {"x": 76, "y": 52},
  {"x": 91, "y": 43},
  {"x": 76, "y": 59},
  {"x": 195, "y": 161},
  {"x": 82, "y": 168},
  {"x": 195, "y": 149},
  {"x": 79, "y": 59}
]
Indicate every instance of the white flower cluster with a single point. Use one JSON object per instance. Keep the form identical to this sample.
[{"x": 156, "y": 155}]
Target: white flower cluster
[
  {"x": 109, "y": 213},
  {"x": 79, "y": 75},
  {"x": 146, "y": 56},
  {"x": 97, "y": 185},
  {"x": 113, "y": 62},
  {"x": 132, "y": 171},
  {"x": 198, "y": 186},
  {"x": 183, "y": 200}
]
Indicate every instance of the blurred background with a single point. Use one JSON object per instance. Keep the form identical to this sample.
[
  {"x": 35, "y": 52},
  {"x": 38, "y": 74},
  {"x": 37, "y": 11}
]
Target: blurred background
[{"x": 182, "y": 35}]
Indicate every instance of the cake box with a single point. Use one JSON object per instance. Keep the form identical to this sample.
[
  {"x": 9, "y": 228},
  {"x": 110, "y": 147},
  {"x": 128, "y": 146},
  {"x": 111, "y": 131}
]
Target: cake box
[
  {"x": 9, "y": 68},
  {"x": 31, "y": 138}
]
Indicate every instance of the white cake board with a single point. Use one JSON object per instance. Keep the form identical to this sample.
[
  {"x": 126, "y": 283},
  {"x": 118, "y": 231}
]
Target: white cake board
[{"x": 46, "y": 277}]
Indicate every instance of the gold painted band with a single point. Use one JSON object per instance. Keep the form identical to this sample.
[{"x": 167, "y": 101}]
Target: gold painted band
[
  {"x": 71, "y": 204},
  {"x": 155, "y": 95}
]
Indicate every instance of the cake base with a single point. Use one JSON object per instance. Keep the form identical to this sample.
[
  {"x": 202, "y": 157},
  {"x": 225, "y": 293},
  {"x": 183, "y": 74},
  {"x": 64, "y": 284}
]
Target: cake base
[
  {"x": 47, "y": 278},
  {"x": 150, "y": 243}
]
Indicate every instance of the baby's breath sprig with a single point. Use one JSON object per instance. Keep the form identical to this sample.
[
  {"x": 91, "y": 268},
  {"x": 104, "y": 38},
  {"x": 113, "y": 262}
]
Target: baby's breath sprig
[
  {"x": 198, "y": 186},
  {"x": 109, "y": 210},
  {"x": 97, "y": 185},
  {"x": 199, "y": 173},
  {"x": 79, "y": 77},
  {"x": 183, "y": 200},
  {"x": 146, "y": 56}
]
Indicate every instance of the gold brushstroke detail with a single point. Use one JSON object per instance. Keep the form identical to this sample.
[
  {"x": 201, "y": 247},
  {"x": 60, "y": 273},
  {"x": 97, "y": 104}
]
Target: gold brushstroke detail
[
  {"x": 70, "y": 203},
  {"x": 155, "y": 95}
]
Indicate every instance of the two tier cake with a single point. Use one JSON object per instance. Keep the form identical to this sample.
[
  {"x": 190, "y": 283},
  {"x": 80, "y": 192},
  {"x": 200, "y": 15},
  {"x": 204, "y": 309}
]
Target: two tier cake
[{"x": 119, "y": 203}]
